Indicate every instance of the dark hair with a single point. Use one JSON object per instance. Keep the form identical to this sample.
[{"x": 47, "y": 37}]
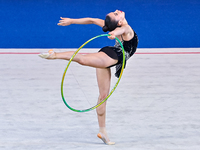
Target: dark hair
[{"x": 110, "y": 24}]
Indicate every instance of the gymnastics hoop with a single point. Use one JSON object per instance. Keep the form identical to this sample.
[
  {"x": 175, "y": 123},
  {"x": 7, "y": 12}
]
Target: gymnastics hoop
[{"x": 86, "y": 110}]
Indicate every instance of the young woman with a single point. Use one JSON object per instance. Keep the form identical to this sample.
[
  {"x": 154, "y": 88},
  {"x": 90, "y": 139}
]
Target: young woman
[{"x": 107, "y": 57}]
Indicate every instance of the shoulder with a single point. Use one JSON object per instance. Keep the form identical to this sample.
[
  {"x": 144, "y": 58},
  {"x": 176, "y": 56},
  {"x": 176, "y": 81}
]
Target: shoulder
[{"x": 129, "y": 33}]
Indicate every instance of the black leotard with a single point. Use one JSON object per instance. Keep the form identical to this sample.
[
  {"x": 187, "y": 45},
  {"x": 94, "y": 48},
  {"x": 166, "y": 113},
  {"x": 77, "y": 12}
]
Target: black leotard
[
  {"x": 116, "y": 52},
  {"x": 129, "y": 49}
]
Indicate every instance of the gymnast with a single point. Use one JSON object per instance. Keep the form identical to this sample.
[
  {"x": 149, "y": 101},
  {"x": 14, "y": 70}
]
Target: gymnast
[{"x": 107, "y": 57}]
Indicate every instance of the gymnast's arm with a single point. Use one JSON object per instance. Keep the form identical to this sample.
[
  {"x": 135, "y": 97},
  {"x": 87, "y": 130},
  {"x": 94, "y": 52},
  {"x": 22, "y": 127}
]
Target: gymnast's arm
[
  {"x": 125, "y": 30},
  {"x": 69, "y": 21}
]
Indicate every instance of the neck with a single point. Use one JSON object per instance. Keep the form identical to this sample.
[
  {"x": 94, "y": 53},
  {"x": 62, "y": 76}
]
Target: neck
[{"x": 124, "y": 22}]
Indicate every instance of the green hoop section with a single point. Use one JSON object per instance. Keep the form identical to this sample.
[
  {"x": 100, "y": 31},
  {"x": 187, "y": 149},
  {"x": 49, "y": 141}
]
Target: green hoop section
[{"x": 86, "y": 110}]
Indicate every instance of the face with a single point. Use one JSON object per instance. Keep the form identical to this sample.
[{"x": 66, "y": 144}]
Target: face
[{"x": 117, "y": 15}]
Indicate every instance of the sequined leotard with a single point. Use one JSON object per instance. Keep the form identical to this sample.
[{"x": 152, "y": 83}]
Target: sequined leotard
[{"x": 116, "y": 52}]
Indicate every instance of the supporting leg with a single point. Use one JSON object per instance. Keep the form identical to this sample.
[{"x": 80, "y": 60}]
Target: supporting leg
[{"x": 103, "y": 78}]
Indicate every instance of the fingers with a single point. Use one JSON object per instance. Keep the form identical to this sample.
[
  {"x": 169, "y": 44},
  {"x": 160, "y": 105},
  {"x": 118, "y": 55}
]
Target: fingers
[
  {"x": 63, "y": 18},
  {"x": 61, "y": 22},
  {"x": 112, "y": 36}
]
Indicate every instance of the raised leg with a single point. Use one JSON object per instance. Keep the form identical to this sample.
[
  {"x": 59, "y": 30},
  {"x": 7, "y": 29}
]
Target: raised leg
[{"x": 97, "y": 60}]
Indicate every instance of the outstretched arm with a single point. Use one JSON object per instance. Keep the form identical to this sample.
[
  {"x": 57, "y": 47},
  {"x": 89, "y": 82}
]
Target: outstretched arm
[{"x": 69, "y": 21}]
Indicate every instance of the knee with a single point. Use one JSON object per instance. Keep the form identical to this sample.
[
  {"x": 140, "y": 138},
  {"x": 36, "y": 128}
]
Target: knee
[
  {"x": 82, "y": 61},
  {"x": 101, "y": 110}
]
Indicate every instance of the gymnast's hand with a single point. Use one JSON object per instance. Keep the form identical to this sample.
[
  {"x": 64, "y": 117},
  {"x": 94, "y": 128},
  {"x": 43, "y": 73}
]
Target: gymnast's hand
[
  {"x": 112, "y": 35},
  {"x": 64, "y": 21}
]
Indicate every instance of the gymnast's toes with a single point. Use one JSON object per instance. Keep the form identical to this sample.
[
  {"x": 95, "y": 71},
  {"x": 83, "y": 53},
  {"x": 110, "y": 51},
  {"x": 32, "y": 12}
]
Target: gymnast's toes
[
  {"x": 104, "y": 139},
  {"x": 49, "y": 55}
]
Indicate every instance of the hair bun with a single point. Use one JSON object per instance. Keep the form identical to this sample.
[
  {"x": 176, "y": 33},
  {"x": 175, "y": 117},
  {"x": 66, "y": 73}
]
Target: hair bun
[{"x": 105, "y": 28}]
